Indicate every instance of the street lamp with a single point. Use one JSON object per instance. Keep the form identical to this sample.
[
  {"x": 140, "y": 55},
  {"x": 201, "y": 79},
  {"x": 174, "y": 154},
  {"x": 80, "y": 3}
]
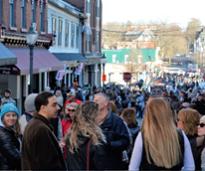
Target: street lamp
[{"x": 31, "y": 39}]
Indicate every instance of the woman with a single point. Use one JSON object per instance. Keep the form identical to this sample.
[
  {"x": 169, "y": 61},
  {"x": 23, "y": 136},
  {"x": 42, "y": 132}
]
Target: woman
[
  {"x": 159, "y": 146},
  {"x": 201, "y": 133},
  {"x": 9, "y": 142},
  {"x": 84, "y": 140},
  {"x": 188, "y": 120},
  {"x": 129, "y": 116}
]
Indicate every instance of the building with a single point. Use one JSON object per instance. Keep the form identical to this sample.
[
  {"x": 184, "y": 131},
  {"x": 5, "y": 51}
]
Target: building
[
  {"x": 199, "y": 48},
  {"x": 16, "y": 17},
  {"x": 91, "y": 46},
  {"x": 65, "y": 22}
]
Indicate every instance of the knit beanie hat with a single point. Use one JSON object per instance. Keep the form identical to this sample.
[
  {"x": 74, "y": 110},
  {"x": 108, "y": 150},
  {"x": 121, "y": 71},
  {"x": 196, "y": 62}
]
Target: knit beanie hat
[
  {"x": 29, "y": 103},
  {"x": 8, "y": 107}
]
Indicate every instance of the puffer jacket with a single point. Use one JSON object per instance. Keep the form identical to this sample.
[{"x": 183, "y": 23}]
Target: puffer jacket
[
  {"x": 86, "y": 158},
  {"x": 9, "y": 150}
]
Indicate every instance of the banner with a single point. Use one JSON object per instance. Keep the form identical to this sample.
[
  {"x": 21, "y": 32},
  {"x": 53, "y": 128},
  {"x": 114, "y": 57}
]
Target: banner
[{"x": 79, "y": 69}]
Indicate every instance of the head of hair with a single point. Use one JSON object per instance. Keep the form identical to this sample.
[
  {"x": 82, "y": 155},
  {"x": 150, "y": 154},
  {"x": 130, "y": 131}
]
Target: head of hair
[
  {"x": 83, "y": 124},
  {"x": 160, "y": 134},
  {"x": 29, "y": 102},
  {"x": 190, "y": 118},
  {"x": 202, "y": 119},
  {"x": 42, "y": 99},
  {"x": 103, "y": 95},
  {"x": 129, "y": 115},
  {"x": 7, "y": 91}
]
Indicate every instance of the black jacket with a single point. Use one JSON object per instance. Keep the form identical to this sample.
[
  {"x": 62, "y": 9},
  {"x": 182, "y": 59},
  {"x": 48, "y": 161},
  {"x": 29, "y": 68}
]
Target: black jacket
[
  {"x": 95, "y": 155},
  {"x": 9, "y": 150},
  {"x": 118, "y": 140}
]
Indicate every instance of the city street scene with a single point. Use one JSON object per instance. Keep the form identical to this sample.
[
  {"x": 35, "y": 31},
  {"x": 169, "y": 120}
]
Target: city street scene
[{"x": 102, "y": 85}]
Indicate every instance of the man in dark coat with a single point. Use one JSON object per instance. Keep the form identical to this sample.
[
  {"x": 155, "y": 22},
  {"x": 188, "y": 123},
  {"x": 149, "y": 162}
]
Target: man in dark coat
[
  {"x": 116, "y": 134},
  {"x": 40, "y": 148}
]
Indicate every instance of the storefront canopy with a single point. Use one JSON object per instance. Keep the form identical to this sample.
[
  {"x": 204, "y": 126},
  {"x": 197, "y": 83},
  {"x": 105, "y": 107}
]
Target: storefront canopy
[
  {"x": 43, "y": 60},
  {"x": 70, "y": 57},
  {"x": 6, "y": 56}
]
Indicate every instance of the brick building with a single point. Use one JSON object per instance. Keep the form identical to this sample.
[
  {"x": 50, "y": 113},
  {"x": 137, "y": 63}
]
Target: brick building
[
  {"x": 92, "y": 32},
  {"x": 16, "y": 17}
]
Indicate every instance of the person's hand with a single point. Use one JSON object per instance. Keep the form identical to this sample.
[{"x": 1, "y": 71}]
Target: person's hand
[{"x": 62, "y": 144}]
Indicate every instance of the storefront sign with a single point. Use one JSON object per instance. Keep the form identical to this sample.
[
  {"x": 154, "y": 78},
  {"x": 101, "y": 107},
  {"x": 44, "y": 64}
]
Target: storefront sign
[{"x": 9, "y": 70}]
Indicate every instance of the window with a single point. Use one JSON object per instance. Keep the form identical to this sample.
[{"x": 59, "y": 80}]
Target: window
[
  {"x": 54, "y": 23},
  {"x": 12, "y": 13},
  {"x": 60, "y": 30},
  {"x": 97, "y": 43},
  {"x": 1, "y": 11},
  {"x": 42, "y": 16},
  {"x": 23, "y": 13},
  {"x": 77, "y": 36},
  {"x": 87, "y": 6},
  {"x": 98, "y": 8},
  {"x": 34, "y": 5},
  {"x": 72, "y": 35},
  {"x": 67, "y": 25}
]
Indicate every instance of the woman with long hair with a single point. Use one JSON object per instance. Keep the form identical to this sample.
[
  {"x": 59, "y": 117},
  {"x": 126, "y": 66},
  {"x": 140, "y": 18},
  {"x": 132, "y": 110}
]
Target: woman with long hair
[
  {"x": 188, "y": 120},
  {"x": 159, "y": 145},
  {"x": 84, "y": 141}
]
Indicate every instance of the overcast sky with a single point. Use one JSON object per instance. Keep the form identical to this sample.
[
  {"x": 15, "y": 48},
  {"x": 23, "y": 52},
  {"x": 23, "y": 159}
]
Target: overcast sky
[{"x": 144, "y": 11}]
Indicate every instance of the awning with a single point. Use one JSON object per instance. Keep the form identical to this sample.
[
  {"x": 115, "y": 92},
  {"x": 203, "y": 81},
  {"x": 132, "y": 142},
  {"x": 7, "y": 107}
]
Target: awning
[
  {"x": 43, "y": 60},
  {"x": 70, "y": 57},
  {"x": 95, "y": 58},
  {"x": 6, "y": 56}
]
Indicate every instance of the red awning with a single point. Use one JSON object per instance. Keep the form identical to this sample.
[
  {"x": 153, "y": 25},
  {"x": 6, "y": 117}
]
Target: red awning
[{"x": 43, "y": 60}]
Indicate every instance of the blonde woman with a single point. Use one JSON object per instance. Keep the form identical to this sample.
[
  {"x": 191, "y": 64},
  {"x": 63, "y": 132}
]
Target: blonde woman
[
  {"x": 84, "y": 141},
  {"x": 159, "y": 145}
]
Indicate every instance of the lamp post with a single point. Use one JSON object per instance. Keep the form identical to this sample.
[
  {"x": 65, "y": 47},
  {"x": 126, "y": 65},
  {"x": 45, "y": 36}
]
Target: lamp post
[{"x": 31, "y": 39}]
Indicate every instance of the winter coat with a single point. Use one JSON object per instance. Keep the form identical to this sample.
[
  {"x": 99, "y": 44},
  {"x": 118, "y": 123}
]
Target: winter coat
[
  {"x": 10, "y": 158},
  {"x": 40, "y": 148},
  {"x": 118, "y": 140},
  {"x": 93, "y": 154}
]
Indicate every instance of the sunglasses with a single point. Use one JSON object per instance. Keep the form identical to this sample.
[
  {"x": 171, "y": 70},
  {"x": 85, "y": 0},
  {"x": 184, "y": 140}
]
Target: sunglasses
[
  {"x": 201, "y": 125},
  {"x": 71, "y": 110}
]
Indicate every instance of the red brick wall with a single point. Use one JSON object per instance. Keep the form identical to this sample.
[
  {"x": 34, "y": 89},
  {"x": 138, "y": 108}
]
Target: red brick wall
[{"x": 6, "y": 14}]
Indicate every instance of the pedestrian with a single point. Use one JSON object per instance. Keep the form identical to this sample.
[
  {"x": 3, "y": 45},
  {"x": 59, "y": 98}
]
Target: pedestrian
[
  {"x": 187, "y": 120},
  {"x": 85, "y": 139},
  {"x": 40, "y": 148},
  {"x": 29, "y": 111},
  {"x": 116, "y": 133},
  {"x": 159, "y": 145},
  {"x": 9, "y": 138},
  {"x": 201, "y": 133},
  {"x": 7, "y": 97},
  {"x": 66, "y": 122}
]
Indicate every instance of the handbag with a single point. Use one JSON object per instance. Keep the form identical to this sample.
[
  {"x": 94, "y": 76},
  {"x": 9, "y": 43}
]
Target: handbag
[{"x": 88, "y": 155}]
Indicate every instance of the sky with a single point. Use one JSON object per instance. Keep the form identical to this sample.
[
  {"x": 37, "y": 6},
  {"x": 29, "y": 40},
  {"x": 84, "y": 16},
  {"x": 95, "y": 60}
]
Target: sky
[{"x": 145, "y": 11}]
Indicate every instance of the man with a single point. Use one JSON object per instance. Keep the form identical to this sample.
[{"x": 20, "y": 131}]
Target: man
[
  {"x": 29, "y": 111},
  {"x": 116, "y": 133},
  {"x": 40, "y": 148},
  {"x": 7, "y": 97}
]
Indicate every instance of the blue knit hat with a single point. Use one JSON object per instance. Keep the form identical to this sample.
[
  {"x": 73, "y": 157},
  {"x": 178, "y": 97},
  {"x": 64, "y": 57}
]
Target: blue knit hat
[{"x": 8, "y": 107}]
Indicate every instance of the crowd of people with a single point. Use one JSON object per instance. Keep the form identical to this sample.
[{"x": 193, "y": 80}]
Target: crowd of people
[{"x": 98, "y": 129}]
